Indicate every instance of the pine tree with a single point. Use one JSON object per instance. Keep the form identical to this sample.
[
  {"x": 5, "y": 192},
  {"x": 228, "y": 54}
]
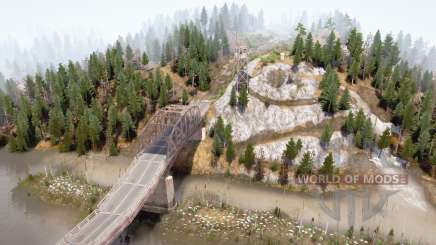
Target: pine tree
[
  {"x": 422, "y": 144},
  {"x": 112, "y": 117},
  {"x": 317, "y": 57},
  {"x": 67, "y": 143},
  {"x": 408, "y": 150},
  {"x": 134, "y": 102},
  {"x": 344, "y": 102},
  {"x": 326, "y": 135},
  {"x": 383, "y": 141},
  {"x": 8, "y": 107},
  {"x": 291, "y": 151},
  {"x": 113, "y": 150},
  {"x": 298, "y": 48},
  {"x": 181, "y": 63},
  {"x": 354, "y": 46},
  {"x": 354, "y": 43},
  {"x": 329, "y": 92},
  {"x": 354, "y": 70},
  {"x": 249, "y": 157},
  {"x": 22, "y": 128},
  {"x": 218, "y": 127},
  {"x": 37, "y": 116},
  {"x": 375, "y": 54},
  {"x": 94, "y": 129},
  {"x": 127, "y": 126},
  {"x": 228, "y": 133},
  {"x": 337, "y": 53},
  {"x": 309, "y": 48},
  {"x": 203, "y": 77},
  {"x": 29, "y": 87},
  {"x": 185, "y": 97},
  {"x": 349, "y": 124},
  {"x": 230, "y": 152},
  {"x": 329, "y": 50},
  {"x": 243, "y": 97},
  {"x": 305, "y": 166},
  {"x": 379, "y": 79},
  {"x": 390, "y": 95},
  {"x": 82, "y": 136},
  {"x": 217, "y": 146},
  {"x": 359, "y": 120},
  {"x": 163, "y": 96},
  {"x": 358, "y": 139},
  {"x": 328, "y": 166},
  {"x": 225, "y": 44},
  {"x": 56, "y": 124},
  {"x": 408, "y": 117},
  {"x": 168, "y": 82},
  {"x": 144, "y": 60},
  {"x": 233, "y": 98},
  {"x": 367, "y": 134}
]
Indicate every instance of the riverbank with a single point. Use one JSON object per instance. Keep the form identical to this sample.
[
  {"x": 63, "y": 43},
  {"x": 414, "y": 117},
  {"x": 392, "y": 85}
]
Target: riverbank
[
  {"x": 65, "y": 190},
  {"x": 215, "y": 222}
]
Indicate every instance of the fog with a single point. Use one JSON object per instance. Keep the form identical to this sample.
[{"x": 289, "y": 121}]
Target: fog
[{"x": 37, "y": 33}]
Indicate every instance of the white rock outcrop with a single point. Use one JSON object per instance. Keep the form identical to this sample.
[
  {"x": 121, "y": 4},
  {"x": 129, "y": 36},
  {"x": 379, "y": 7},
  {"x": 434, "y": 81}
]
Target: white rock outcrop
[
  {"x": 259, "y": 118},
  {"x": 339, "y": 146},
  {"x": 303, "y": 85}
]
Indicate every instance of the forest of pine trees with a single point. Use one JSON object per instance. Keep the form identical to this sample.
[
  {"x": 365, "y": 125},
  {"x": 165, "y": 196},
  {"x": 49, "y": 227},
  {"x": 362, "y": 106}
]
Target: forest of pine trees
[
  {"x": 90, "y": 106},
  {"x": 406, "y": 91}
]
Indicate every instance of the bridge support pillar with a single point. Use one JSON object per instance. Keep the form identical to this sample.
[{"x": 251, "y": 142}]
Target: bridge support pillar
[{"x": 163, "y": 199}]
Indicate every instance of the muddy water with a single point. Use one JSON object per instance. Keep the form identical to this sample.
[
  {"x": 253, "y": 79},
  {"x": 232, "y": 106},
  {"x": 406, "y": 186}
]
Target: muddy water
[
  {"x": 26, "y": 220},
  {"x": 411, "y": 218}
]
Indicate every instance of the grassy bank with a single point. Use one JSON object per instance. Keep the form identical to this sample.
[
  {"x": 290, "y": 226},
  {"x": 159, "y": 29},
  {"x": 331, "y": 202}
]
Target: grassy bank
[
  {"x": 65, "y": 189},
  {"x": 216, "y": 223}
]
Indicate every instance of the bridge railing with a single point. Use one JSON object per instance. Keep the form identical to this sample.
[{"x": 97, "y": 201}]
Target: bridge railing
[
  {"x": 184, "y": 120},
  {"x": 163, "y": 119},
  {"x": 133, "y": 211},
  {"x": 182, "y": 131}
]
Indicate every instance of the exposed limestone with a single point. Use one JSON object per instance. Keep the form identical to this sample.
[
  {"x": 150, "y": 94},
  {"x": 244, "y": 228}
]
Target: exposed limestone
[
  {"x": 339, "y": 146},
  {"x": 300, "y": 84}
]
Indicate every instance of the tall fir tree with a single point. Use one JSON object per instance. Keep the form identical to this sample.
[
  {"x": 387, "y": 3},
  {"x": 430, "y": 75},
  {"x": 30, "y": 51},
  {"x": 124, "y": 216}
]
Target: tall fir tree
[
  {"x": 328, "y": 166},
  {"x": 306, "y": 165}
]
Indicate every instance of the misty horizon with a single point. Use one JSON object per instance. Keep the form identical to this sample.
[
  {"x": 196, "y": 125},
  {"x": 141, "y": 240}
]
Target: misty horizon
[{"x": 87, "y": 27}]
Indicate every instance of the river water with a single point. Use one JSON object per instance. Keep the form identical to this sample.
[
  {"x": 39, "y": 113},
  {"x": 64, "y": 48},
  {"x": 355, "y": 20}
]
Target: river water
[{"x": 26, "y": 220}]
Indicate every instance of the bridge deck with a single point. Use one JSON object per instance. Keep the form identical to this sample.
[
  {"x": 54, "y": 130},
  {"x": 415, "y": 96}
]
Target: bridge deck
[
  {"x": 162, "y": 138},
  {"x": 122, "y": 203}
]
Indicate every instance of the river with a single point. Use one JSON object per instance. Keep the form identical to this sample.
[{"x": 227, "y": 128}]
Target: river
[{"x": 26, "y": 220}]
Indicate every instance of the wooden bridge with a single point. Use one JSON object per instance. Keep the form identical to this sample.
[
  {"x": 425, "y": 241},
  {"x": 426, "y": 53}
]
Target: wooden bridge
[{"x": 145, "y": 184}]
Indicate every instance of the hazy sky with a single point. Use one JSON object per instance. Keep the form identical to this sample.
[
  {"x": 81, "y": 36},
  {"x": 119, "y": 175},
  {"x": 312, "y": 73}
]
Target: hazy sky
[{"x": 24, "y": 19}]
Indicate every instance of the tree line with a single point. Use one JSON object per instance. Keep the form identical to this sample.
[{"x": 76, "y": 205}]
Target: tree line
[
  {"x": 90, "y": 106},
  {"x": 406, "y": 91}
]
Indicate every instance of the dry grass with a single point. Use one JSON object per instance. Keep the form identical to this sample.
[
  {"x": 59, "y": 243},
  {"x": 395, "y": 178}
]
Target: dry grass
[
  {"x": 202, "y": 158},
  {"x": 44, "y": 145}
]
